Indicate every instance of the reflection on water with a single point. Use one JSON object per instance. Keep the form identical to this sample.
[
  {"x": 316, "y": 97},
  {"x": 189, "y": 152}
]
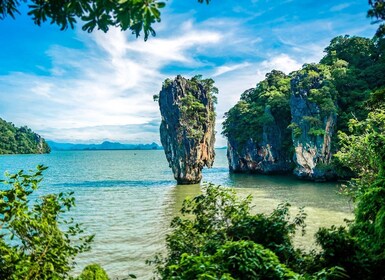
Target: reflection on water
[{"x": 127, "y": 199}]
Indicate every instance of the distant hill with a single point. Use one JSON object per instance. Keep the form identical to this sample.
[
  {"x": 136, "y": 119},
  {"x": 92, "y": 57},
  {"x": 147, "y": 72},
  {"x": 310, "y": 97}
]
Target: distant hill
[
  {"x": 14, "y": 140},
  {"x": 106, "y": 145}
]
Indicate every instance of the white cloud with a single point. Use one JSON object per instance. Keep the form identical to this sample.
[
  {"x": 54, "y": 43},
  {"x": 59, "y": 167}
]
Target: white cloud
[
  {"x": 282, "y": 62},
  {"x": 340, "y": 7},
  {"x": 98, "y": 92},
  {"x": 229, "y": 68}
]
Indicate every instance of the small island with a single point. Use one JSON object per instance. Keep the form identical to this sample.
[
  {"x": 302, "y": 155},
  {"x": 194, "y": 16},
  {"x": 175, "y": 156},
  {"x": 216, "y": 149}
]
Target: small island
[{"x": 22, "y": 140}]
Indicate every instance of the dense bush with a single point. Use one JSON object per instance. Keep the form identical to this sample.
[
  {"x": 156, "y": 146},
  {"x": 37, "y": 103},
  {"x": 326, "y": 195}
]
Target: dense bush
[
  {"x": 360, "y": 248},
  {"x": 93, "y": 272}
]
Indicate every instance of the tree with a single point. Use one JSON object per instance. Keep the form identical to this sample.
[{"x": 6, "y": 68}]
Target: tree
[
  {"x": 23, "y": 140},
  {"x": 36, "y": 242},
  {"x": 360, "y": 248},
  {"x": 134, "y": 15},
  {"x": 258, "y": 107},
  {"x": 377, "y": 11},
  {"x": 217, "y": 237}
]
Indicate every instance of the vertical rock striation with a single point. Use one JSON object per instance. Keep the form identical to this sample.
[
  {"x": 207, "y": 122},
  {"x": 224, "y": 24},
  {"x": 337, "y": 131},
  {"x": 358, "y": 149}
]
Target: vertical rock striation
[
  {"x": 256, "y": 128},
  {"x": 313, "y": 123},
  {"x": 265, "y": 156},
  {"x": 187, "y": 126}
]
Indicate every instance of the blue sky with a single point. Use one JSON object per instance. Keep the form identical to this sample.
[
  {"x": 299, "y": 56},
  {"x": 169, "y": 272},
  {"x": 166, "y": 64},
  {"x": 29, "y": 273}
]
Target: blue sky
[{"x": 77, "y": 87}]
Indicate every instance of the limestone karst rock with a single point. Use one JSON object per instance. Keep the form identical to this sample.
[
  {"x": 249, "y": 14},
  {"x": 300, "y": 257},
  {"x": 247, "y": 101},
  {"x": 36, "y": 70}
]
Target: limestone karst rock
[
  {"x": 256, "y": 128},
  {"x": 187, "y": 128},
  {"x": 265, "y": 156},
  {"x": 285, "y": 124},
  {"x": 314, "y": 122}
]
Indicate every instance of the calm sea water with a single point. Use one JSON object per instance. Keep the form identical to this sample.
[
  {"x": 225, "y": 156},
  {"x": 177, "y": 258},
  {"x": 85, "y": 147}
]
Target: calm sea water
[{"x": 127, "y": 199}]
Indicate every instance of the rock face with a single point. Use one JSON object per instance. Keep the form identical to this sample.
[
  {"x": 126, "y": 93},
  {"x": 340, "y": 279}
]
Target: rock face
[
  {"x": 313, "y": 129},
  {"x": 312, "y": 152},
  {"x": 285, "y": 124},
  {"x": 187, "y": 127},
  {"x": 266, "y": 156}
]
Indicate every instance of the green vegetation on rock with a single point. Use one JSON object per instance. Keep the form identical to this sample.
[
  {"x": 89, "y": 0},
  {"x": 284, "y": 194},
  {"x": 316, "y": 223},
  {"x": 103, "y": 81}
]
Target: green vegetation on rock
[
  {"x": 267, "y": 103},
  {"x": 313, "y": 103},
  {"x": 187, "y": 127},
  {"x": 21, "y": 140},
  {"x": 194, "y": 113}
]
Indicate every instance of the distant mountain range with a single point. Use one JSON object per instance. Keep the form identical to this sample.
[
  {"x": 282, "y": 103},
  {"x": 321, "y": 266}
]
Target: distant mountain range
[{"x": 106, "y": 145}]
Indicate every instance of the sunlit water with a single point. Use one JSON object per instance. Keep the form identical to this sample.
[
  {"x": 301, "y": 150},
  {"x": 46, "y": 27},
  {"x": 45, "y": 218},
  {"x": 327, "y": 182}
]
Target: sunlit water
[{"x": 127, "y": 199}]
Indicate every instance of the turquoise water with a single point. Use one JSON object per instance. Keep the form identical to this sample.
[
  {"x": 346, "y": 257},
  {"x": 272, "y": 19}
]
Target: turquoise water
[{"x": 127, "y": 199}]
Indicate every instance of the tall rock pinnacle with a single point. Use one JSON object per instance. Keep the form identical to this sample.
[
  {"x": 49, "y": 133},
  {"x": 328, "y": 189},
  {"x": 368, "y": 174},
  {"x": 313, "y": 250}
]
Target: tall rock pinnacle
[{"x": 187, "y": 127}]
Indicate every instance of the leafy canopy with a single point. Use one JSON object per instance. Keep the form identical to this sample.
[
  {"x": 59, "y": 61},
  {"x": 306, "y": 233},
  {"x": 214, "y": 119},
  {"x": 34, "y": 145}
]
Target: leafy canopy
[
  {"x": 360, "y": 248},
  {"x": 259, "y": 106},
  {"x": 377, "y": 11},
  {"x": 133, "y": 15}
]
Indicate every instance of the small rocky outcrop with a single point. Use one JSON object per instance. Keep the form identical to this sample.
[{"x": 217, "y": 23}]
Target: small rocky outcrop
[
  {"x": 313, "y": 124},
  {"x": 187, "y": 126},
  {"x": 266, "y": 156}
]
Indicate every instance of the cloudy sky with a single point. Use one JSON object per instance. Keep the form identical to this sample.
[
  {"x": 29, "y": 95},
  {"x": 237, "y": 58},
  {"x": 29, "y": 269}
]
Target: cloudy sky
[{"x": 77, "y": 87}]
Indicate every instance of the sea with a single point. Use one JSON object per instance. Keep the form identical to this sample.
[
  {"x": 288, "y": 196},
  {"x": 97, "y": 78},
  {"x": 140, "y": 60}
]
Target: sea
[{"x": 128, "y": 198}]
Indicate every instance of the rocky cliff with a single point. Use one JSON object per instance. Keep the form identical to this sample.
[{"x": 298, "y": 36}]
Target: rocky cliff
[
  {"x": 265, "y": 156},
  {"x": 187, "y": 126},
  {"x": 313, "y": 123},
  {"x": 285, "y": 124},
  {"x": 256, "y": 128},
  {"x": 313, "y": 103}
]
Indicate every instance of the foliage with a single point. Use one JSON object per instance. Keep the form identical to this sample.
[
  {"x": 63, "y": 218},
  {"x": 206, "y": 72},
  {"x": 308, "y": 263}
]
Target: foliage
[
  {"x": 93, "y": 272},
  {"x": 266, "y": 104},
  {"x": 36, "y": 242},
  {"x": 296, "y": 129},
  {"x": 232, "y": 260},
  {"x": 377, "y": 11},
  {"x": 360, "y": 149},
  {"x": 217, "y": 237},
  {"x": 360, "y": 248},
  {"x": 316, "y": 83},
  {"x": 133, "y": 15},
  {"x": 339, "y": 248},
  {"x": 357, "y": 65},
  {"x": 197, "y": 112},
  {"x": 21, "y": 140}
]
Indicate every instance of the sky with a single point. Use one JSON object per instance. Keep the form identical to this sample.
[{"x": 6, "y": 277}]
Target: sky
[{"x": 79, "y": 87}]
